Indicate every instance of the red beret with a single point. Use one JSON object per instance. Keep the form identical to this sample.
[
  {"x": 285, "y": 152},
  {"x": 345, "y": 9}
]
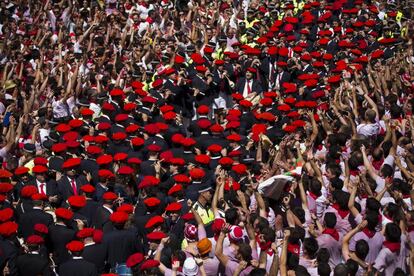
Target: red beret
[
  {"x": 149, "y": 264},
  {"x": 237, "y": 96},
  {"x": 125, "y": 170},
  {"x": 116, "y": 92},
  {"x": 85, "y": 233},
  {"x": 169, "y": 116},
  {"x": 5, "y": 188},
  {"x": 239, "y": 168},
  {"x": 181, "y": 178},
  {"x": 5, "y": 173},
  {"x": 75, "y": 246},
  {"x": 41, "y": 228},
  {"x": 72, "y": 144},
  {"x": 137, "y": 141},
  {"x": 77, "y": 201},
  {"x": 174, "y": 189},
  {"x": 204, "y": 123},
  {"x": 134, "y": 160},
  {"x": 177, "y": 138},
  {"x": 118, "y": 136},
  {"x": 299, "y": 123},
  {"x": 173, "y": 207},
  {"x": 334, "y": 79},
  {"x": 233, "y": 138},
  {"x": 109, "y": 196},
  {"x": 62, "y": 128},
  {"x": 87, "y": 188},
  {"x": 87, "y": 112},
  {"x": 233, "y": 125},
  {"x": 197, "y": 173},
  {"x": 202, "y": 159},
  {"x": 226, "y": 161},
  {"x": 214, "y": 148},
  {"x": 168, "y": 155},
  {"x": 177, "y": 161},
  {"x": 21, "y": 170},
  {"x": 100, "y": 139},
  {"x": 120, "y": 156},
  {"x": 59, "y": 147},
  {"x": 157, "y": 83},
  {"x": 148, "y": 181},
  {"x": 152, "y": 202},
  {"x": 28, "y": 190},
  {"x": 156, "y": 236},
  {"x": 154, "y": 148},
  {"x": 216, "y": 128},
  {"x": 6, "y": 214},
  {"x": 8, "y": 228},
  {"x": 134, "y": 259},
  {"x": 234, "y": 153},
  {"x": 71, "y": 163},
  {"x": 162, "y": 126},
  {"x": 149, "y": 99},
  {"x": 40, "y": 161},
  {"x": 201, "y": 68},
  {"x": 34, "y": 240},
  {"x": 121, "y": 117},
  {"x": 188, "y": 142},
  {"x": 126, "y": 208},
  {"x": 118, "y": 217},
  {"x": 104, "y": 159},
  {"x": 266, "y": 101},
  {"x": 289, "y": 128},
  {"x": 64, "y": 213},
  {"x": 219, "y": 62},
  {"x": 151, "y": 129},
  {"x": 130, "y": 106},
  {"x": 39, "y": 197},
  {"x": 166, "y": 108},
  {"x": 92, "y": 149},
  {"x": 108, "y": 107},
  {"x": 187, "y": 217},
  {"x": 169, "y": 71},
  {"x": 246, "y": 103},
  {"x": 154, "y": 221},
  {"x": 105, "y": 173}
]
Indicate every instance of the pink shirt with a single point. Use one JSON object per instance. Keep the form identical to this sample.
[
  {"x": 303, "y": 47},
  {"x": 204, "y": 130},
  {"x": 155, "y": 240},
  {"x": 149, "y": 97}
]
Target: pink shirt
[
  {"x": 232, "y": 266},
  {"x": 211, "y": 266},
  {"x": 386, "y": 261},
  {"x": 333, "y": 246},
  {"x": 375, "y": 244}
]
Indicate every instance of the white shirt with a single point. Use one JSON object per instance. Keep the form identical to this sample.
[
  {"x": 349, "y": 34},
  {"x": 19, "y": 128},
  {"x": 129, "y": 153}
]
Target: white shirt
[
  {"x": 39, "y": 188},
  {"x": 246, "y": 90}
]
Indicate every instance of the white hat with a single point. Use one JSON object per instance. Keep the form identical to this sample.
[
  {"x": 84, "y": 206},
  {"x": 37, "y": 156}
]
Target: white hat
[{"x": 190, "y": 268}]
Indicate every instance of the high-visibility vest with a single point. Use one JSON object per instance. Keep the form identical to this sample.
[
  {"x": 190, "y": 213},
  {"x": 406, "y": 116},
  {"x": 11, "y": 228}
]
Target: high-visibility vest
[{"x": 206, "y": 215}]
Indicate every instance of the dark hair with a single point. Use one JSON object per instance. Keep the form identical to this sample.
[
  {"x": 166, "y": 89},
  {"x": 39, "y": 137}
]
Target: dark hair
[
  {"x": 362, "y": 249},
  {"x": 262, "y": 223},
  {"x": 315, "y": 186},
  {"x": 352, "y": 266},
  {"x": 301, "y": 270},
  {"x": 392, "y": 232},
  {"x": 292, "y": 261},
  {"x": 372, "y": 219},
  {"x": 311, "y": 246},
  {"x": 269, "y": 235},
  {"x": 337, "y": 183},
  {"x": 300, "y": 213},
  {"x": 341, "y": 198},
  {"x": 399, "y": 272},
  {"x": 323, "y": 255},
  {"x": 324, "y": 269},
  {"x": 258, "y": 272},
  {"x": 330, "y": 220},
  {"x": 387, "y": 171},
  {"x": 232, "y": 216},
  {"x": 341, "y": 270},
  {"x": 245, "y": 251},
  {"x": 373, "y": 204}
]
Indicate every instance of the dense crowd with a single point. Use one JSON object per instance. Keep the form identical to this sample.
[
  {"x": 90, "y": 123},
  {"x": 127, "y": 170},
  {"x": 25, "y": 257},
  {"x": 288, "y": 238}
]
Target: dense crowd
[{"x": 199, "y": 137}]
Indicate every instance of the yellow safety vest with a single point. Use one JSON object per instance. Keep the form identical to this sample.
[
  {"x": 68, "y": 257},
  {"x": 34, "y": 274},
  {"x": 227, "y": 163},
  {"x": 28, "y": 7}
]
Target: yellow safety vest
[
  {"x": 250, "y": 24},
  {"x": 206, "y": 215},
  {"x": 30, "y": 166}
]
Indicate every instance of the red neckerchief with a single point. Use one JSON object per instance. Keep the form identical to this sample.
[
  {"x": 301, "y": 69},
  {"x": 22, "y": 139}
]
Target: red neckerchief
[
  {"x": 368, "y": 232},
  {"x": 406, "y": 196},
  {"x": 331, "y": 232},
  {"x": 354, "y": 172},
  {"x": 342, "y": 213},
  {"x": 392, "y": 246},
  {"x": 264, "y": 246},
  {"x": 293, "y": 248},
  {"x": 377, "y": 163},
  {"x": 312, "y": 195},
  {"x": 363, "y": 196},
  {"x": 319, "y": 147}
]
